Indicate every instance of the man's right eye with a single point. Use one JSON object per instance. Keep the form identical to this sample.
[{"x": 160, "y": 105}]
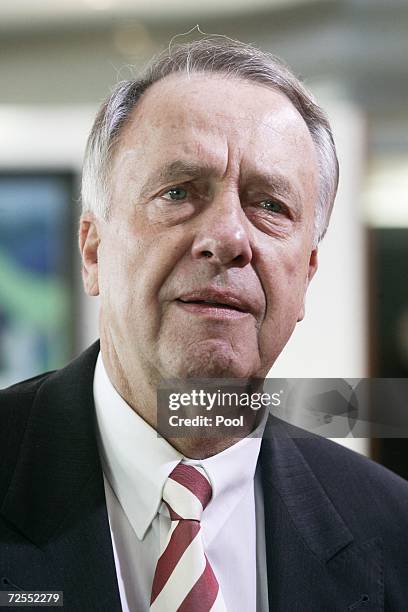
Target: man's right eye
[{"x": 175, "y": 194}]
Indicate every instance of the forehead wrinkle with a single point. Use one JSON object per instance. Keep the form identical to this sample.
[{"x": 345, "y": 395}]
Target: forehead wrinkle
[
  {"x": 226, "y": 158},
  {"x": 179, "y": 168}
]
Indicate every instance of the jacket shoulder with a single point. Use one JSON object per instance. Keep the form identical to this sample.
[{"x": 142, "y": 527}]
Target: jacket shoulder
[
  {"x": 355, "y": 482},
  {"x": 19, "y": 396},
  {"x": 15, "y": 406},
  {"x": 17, "y": 399},
  {"x": 32, "y": 411}
]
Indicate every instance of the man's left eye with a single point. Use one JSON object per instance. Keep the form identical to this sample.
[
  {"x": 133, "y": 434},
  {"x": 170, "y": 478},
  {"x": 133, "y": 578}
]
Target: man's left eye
[
  {"x": 175, "y": 194},
  {"x": 273, "y": 206}
]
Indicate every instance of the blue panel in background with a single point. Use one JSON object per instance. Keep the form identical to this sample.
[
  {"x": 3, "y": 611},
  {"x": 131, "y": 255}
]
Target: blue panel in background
[{"x": 35, "y": 284}]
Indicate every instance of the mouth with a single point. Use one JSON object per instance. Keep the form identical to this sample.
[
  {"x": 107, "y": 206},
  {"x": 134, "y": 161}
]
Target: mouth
[
  {"x": 215, "y": 304},
  {"x": 211, "y": 304}
]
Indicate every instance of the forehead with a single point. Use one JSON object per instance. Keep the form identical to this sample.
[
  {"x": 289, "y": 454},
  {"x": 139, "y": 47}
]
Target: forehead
[{"x": 217, "y": 119}]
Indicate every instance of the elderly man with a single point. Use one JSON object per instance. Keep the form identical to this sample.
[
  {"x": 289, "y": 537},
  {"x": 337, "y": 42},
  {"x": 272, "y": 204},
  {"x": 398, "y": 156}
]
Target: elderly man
[{"x": 208, "y": 183}]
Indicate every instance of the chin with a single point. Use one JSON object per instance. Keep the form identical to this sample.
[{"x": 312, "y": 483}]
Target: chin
[{"x": 211, "y": 363}]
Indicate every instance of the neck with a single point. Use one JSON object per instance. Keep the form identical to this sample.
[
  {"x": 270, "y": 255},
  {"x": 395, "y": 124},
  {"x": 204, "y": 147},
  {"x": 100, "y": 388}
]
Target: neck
[{"x": 197, "y": 442}]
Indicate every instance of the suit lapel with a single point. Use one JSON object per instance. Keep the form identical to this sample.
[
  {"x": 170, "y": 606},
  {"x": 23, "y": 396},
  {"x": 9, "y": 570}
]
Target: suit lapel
[
  {"x": 56, "y": 499},
  {"x": 313, "y": 560}
]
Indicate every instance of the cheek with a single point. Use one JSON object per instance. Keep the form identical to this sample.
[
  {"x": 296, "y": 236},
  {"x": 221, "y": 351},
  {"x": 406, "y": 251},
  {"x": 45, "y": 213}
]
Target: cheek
[
  {"x": 284, "y": 283},
  {"x": 284, "y": 296},
  {"x": 133, "y": 265},
  {"x": 116, "y": 269}
]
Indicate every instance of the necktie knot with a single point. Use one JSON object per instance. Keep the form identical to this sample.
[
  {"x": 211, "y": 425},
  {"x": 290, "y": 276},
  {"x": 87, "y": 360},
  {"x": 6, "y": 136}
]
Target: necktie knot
[{"x": 187, "y": 492}]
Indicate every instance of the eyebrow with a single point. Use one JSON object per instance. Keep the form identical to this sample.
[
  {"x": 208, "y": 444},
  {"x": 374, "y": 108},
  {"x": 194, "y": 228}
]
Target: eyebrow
[
  {"x": 176, "y": 171},
  {"x": 179, "y": 170},
  {"x": 279, "y": 183}
]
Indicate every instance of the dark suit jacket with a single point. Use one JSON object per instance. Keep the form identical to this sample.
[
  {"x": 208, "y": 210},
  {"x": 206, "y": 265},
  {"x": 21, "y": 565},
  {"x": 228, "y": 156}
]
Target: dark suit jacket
[{"x": 336, "y": 523}]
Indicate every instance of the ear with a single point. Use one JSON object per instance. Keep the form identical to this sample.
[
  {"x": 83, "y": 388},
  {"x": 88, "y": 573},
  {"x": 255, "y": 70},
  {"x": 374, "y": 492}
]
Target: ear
[
  {"x": 88, "y": 245},
  {"x": 313, "y": 265}
]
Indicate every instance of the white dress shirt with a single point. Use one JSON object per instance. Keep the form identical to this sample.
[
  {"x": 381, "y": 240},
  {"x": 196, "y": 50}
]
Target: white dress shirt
[{"x": 136, "y": 463}]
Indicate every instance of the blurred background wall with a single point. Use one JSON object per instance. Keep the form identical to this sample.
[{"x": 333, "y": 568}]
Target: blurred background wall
[{"x": 58, "y": 61}]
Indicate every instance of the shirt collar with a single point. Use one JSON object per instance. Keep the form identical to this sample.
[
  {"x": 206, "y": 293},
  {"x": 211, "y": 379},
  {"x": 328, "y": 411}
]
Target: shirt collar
[{"x": 137, "y": 462}]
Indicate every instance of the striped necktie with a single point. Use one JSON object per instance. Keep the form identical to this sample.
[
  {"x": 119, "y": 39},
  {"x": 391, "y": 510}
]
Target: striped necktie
[{"x": 184, "y": 580}]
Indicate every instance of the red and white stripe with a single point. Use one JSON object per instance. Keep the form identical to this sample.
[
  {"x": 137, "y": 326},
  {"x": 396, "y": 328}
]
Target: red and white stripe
[{"x": 184, "y": 580}]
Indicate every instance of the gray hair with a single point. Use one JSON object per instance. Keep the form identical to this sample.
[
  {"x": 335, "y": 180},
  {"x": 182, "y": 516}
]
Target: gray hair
[{"x": 215, "y": 54}]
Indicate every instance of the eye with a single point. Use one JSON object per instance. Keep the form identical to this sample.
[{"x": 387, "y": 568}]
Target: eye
[
  {"x": 273, "y": 206},
  {"x": 175, "y": 194}
]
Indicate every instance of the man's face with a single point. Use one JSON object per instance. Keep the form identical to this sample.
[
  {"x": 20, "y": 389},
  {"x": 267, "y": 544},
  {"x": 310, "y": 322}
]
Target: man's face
[{"x": 204, "y": 263}]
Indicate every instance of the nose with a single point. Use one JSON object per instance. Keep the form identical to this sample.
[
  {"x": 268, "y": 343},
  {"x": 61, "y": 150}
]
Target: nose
[{"x": 222, "y": 234}]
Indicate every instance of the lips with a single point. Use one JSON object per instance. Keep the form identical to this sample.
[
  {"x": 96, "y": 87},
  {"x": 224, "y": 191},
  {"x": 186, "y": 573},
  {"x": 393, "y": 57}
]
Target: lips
[
  {"x": 216, "y": 299},
  {"x": 212, "y": 304}
]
